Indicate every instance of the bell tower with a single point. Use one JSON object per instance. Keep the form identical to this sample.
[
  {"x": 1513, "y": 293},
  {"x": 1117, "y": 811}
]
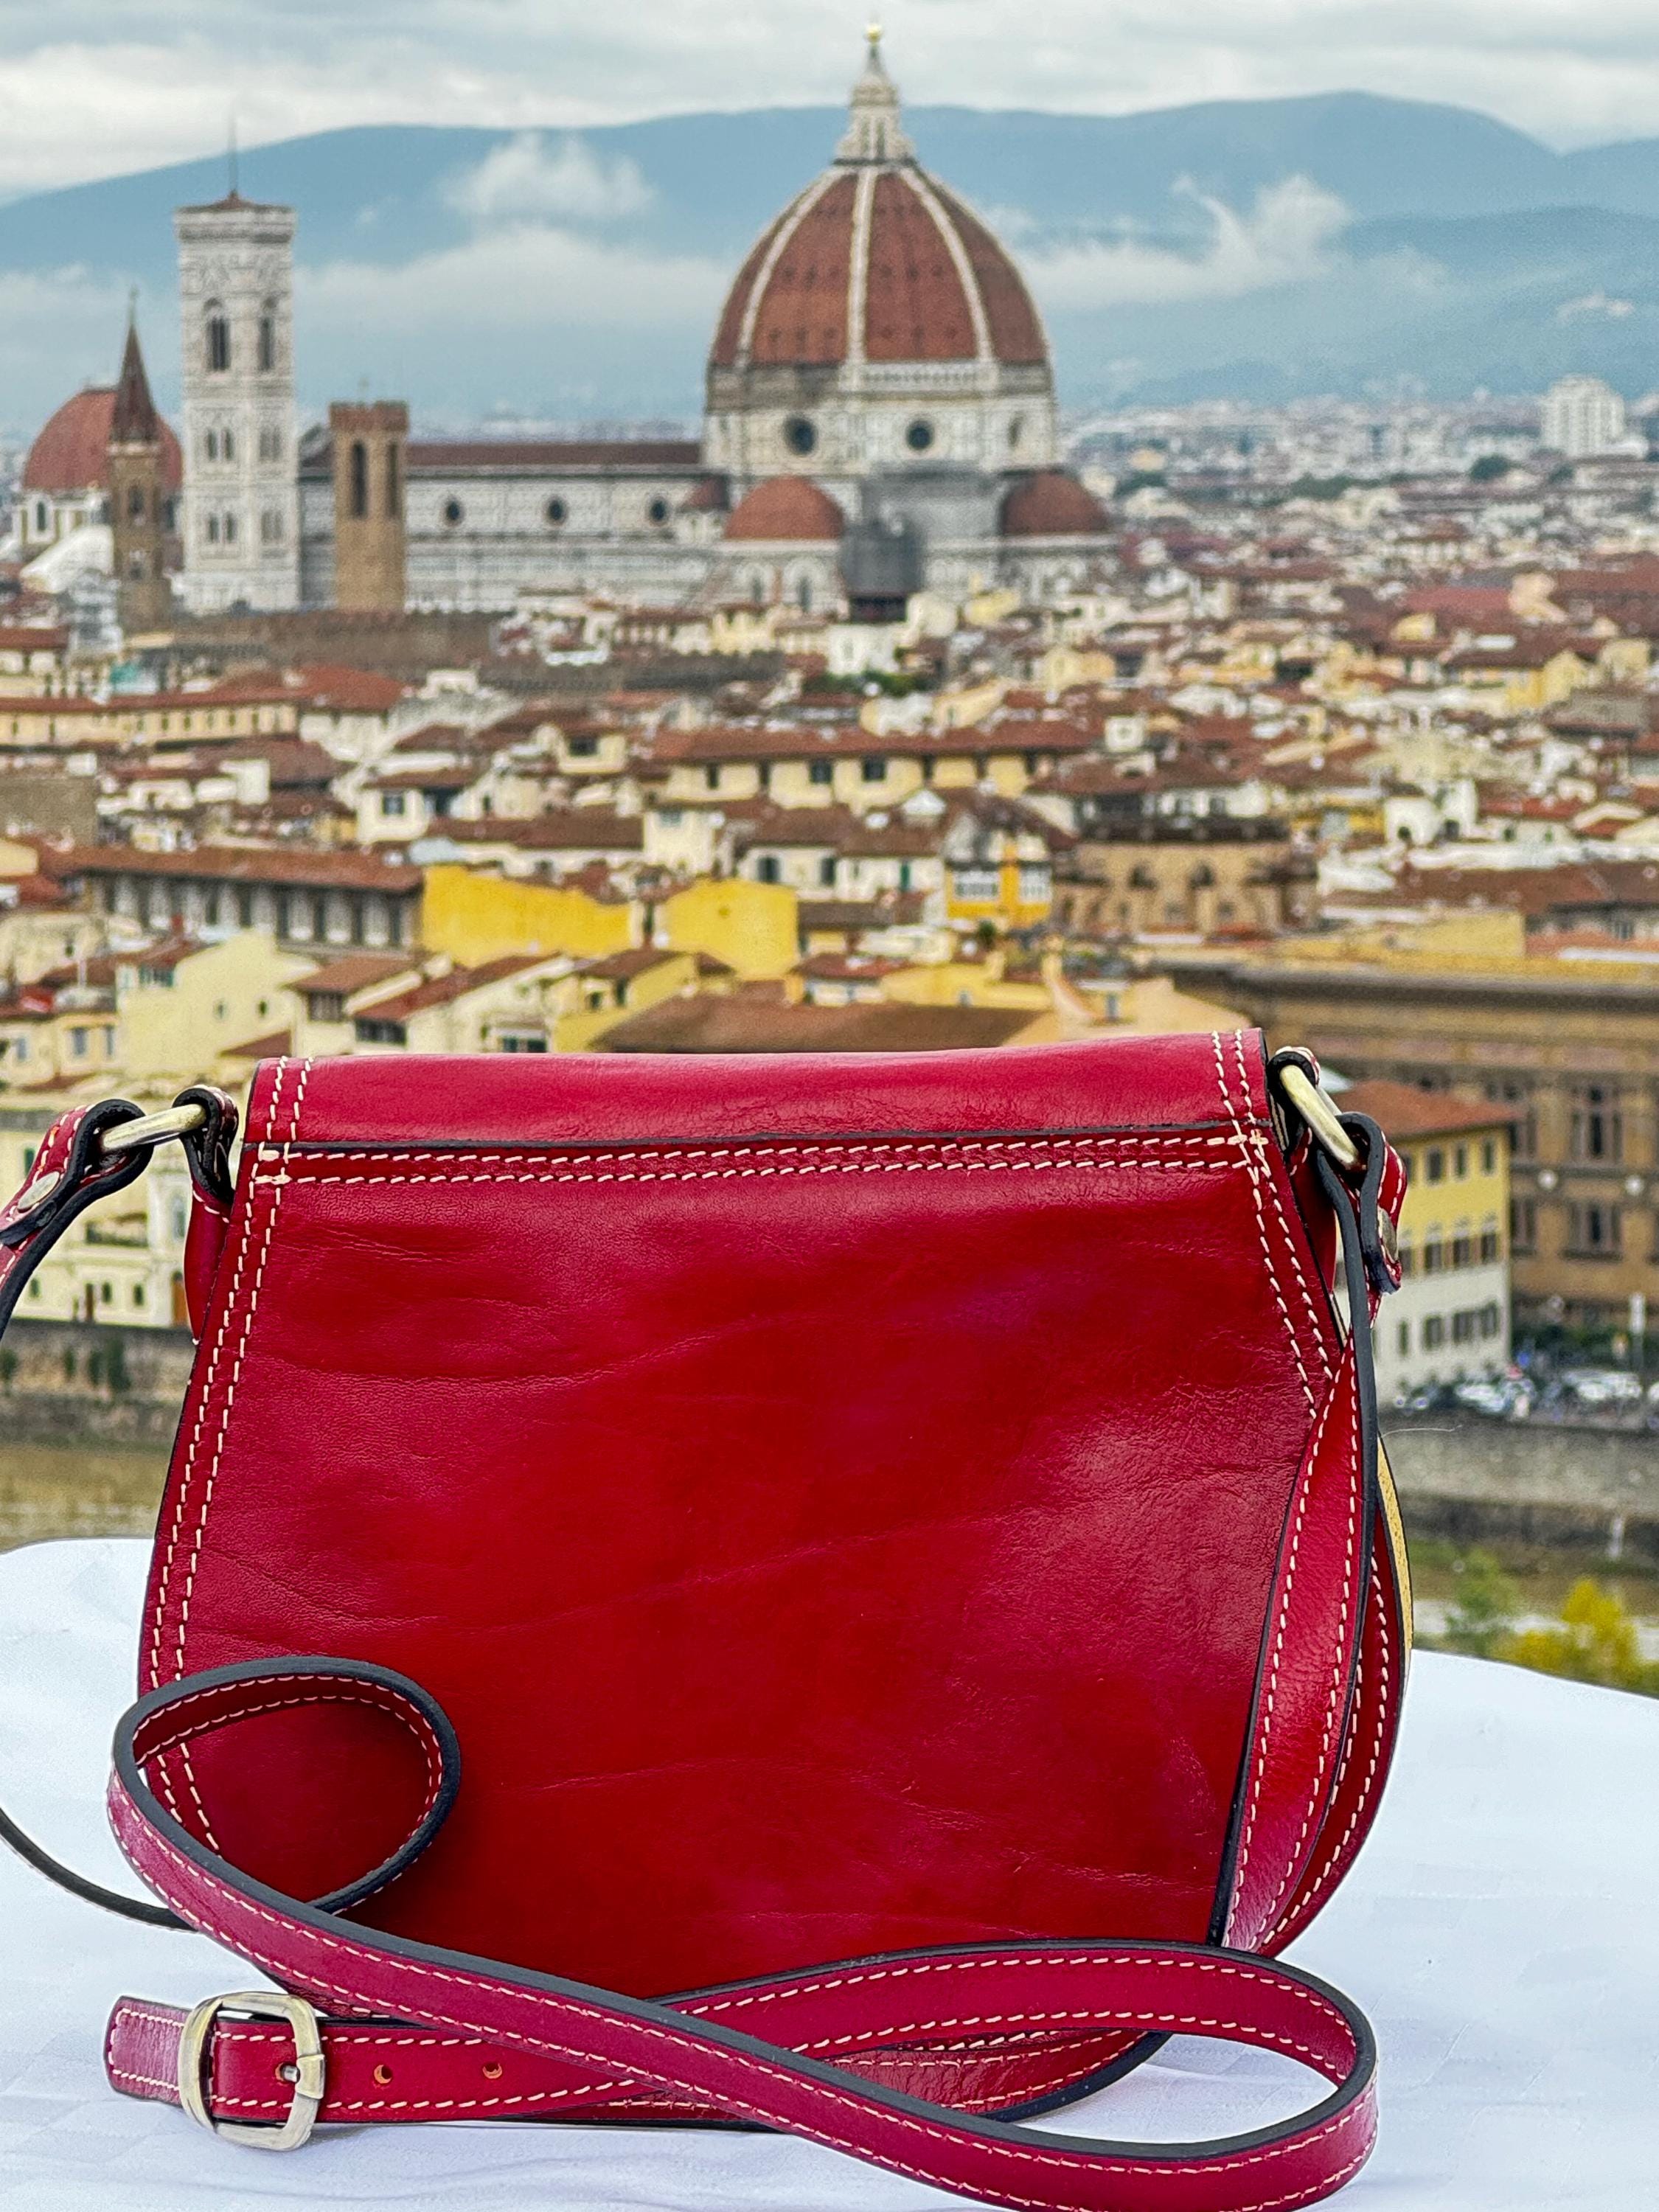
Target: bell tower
[
  {"x": 368, "y": 440},
  {"x": 241, "y": 474},
  {"x": 138, "y": 496}
]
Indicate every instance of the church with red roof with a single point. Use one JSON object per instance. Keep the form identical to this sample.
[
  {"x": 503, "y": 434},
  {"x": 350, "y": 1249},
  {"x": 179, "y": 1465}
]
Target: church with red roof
[{"x": 879, "y": 418}]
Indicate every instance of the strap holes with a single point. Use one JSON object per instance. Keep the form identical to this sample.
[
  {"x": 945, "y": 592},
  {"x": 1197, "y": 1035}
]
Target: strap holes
[
  {"x": 383, "y": 2075},
  {"x": 492, "y": 2069}
]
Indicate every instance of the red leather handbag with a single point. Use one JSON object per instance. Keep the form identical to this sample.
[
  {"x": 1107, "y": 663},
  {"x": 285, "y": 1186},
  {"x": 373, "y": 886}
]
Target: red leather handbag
[{"x": 642, "y": 1527}]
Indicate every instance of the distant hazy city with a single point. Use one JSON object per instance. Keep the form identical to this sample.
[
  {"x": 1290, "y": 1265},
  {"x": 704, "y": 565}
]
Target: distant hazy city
[{"x": 905, "y": 699}]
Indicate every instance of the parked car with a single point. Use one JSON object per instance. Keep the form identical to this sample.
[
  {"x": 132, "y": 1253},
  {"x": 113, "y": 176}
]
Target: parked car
[
  {"x": 1602, "y": 1388},
  {"x": 1500, "y": 1397}
]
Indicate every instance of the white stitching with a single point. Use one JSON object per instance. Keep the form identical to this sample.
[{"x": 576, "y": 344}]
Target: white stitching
[
  {"x": 1292, "y": 2143},
  {"x": 1268, "y": 1714},
  {"x": 297, "y": 1174},
  {"x": 379, "y": 1696},
  {"x": 1247, "y": 1154},
  {"x": 1270, "y": 1178},
  {"x": 1312, "y": 1892},
  {"x": 1328, "y": 1740}
]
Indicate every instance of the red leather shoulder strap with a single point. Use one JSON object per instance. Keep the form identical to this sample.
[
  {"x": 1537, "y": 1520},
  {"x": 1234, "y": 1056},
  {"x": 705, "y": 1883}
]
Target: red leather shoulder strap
[{"x": 456, "y": 2036}]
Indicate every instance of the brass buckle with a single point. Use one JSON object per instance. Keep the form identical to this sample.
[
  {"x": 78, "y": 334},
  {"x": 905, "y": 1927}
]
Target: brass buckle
[{"x": 308, "y": 2069}]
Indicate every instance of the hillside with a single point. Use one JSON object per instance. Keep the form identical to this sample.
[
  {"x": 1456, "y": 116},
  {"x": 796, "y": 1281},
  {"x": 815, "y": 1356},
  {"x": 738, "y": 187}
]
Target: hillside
[{"x": 1292, "y": 244}]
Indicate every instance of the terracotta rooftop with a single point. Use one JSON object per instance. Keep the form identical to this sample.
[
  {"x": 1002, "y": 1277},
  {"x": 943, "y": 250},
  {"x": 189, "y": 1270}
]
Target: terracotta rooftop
[
  {"x": 790, "y": 510},
  {"x": 1401, "y": 1110},
  {"x": 239, "y": 863},
  {"x": 743, "y": 1025}
]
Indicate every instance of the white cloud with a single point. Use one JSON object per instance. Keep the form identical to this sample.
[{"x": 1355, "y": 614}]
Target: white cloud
[
  {"x": 97, "y": 87},
  {"x": 1595, "y": 304},
  {"x": 526, "y": 178},
  {"x": 518, "y": 279},
  {"x": 1285, "y": 237}
]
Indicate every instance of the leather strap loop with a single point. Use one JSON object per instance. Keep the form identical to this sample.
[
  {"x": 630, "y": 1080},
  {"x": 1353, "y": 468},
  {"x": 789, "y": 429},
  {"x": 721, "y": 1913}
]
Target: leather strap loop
[{"x": 585, "y": 2050}]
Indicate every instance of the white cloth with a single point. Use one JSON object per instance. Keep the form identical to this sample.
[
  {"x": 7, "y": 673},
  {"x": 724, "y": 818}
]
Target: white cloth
[{"x": 1500, "y": 1929}]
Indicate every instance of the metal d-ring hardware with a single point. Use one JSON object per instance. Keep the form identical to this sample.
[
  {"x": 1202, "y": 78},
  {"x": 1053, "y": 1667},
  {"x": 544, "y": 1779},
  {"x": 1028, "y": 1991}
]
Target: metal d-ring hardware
[
  {"x": 1313, "y": 1102},
  {"x": 154, "y": 1128},
  {"x": 308, "y": 2071}
]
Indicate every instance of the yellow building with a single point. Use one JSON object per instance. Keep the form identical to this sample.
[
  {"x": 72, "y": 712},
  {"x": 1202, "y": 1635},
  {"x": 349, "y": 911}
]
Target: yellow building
[
  {"x": 475, "y": 917},
  {"x": 180, "y": 1006},
  {"x": 751, "y": 928},
  {"x": 1449, "y": 1321}
]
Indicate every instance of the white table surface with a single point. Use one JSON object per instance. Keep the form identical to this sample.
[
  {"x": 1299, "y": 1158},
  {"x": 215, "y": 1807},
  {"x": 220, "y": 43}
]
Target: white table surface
[{"x": 1502, "y": 1929}]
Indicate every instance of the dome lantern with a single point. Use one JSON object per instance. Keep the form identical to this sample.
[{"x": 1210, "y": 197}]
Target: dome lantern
[{"x": 873, "y": 131}]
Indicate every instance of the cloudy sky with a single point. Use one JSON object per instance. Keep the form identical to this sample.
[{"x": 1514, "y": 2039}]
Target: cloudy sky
[{"x": 92, "y": 88}]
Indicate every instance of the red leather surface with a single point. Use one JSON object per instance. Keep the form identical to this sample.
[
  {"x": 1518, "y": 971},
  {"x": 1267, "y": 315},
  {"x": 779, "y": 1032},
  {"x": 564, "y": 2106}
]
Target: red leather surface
[
  {"x": 835, "y": 1546},
  {"x": 440, "y": 2032}
]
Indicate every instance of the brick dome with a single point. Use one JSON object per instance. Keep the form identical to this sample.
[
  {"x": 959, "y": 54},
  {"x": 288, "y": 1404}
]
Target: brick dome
[
  {"x": 787, "y": 511},
  {"x": 1050, "y": 503},
  {"x": 876, "y": 262},
  {"x": 71, "y": 454}
]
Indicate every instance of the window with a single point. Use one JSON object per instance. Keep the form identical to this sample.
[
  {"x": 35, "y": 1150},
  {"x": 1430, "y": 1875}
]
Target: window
[
  {"x": 359, "y": 480},
  {"x": 1434, "y": 1252},
  {"x": 393, "y": 802},
  {"x": 873, "y": 770},
  {"x": 136, "y": 503},
  {"x": 270, "y": 443},
  {"x": 1595, "y": 1231},
  {"x": 919, "y": 436},
  {"x": 1463, "y": 1246},
  {"x": 1490, "y": 1247},
  {"x": 1511, "y": 1090},
  {"x": 1463, "y": 1325},
  {"x": 1523, "y": 1225},
  {"x": 211, "y": 444},
  {"x": 1488, "y": 1155},
  {"x": 1408, "y": 1259},
  {"x": 215, "y": 338},
  {"x": 1434, "y": 1332},
  {"x": 1491, "y": 1320},
  {"x": 556, "y": 512},
  {"x": 227, "y": 528},
  {"x": 799, "y": 436},
  {"x": 80, "y": 1042},
  {"x": 271, "y": 526},
  {"x": 711, "y": 776},
  {"x": 523, "y": 1044},
  {"x": 394, "y": 481},
  {"x": 766, "y": 868},
  {"x": 1595, "y": 1129},
  {"x": 1036, "y": 884},
  {"x": 137, "y": 1294},
  {"x": 1460, "y": 1163},
  {"x": 40, "y": 514},
  {"x": 370, "y": 1032},
  {"x": 268, "y": 337},
  {"x": 827, "y": 871},
  {"x": 657, "y": 512},
  {"x": 178, "y": 1220},
  {"x": 109, "y": 1041},
  {"x": 105, "y": 1294},
  {"x": 1434, "y": 1164},
  {"x": 582, "y": 748},
  {"x": 976, "y": 886},
  {"x": 326, "y": 1005},
  {"x": 1403, "y": 1338},
  {"x": 820, "y": 771},
  {"x": 453, "y": 513},
  {"x": 227, "y": 445}
]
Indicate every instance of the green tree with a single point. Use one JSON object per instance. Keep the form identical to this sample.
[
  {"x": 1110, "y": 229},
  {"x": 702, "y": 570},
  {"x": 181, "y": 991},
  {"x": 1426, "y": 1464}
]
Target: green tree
[
  {"x": 1487, "y": 1602},
  {"x": 1597, "y": 1642},
  {"x": 1489, "y": 468}
]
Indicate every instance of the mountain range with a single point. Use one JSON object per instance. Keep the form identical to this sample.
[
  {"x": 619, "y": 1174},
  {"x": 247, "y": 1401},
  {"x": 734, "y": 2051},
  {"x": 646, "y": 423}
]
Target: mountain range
[{"x": 1341, "y": 243}]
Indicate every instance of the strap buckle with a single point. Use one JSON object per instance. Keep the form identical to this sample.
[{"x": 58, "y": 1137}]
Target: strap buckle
[
  {"x": 307, "y": 2070},
  {"x": 1313, "y": 1103}
]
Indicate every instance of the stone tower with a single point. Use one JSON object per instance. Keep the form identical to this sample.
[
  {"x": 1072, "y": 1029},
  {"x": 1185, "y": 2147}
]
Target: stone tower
[
  {"x": 139, "y": 521},
  {"x": 368, "y": 440},
  {"x": 241, "y": 521}
]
